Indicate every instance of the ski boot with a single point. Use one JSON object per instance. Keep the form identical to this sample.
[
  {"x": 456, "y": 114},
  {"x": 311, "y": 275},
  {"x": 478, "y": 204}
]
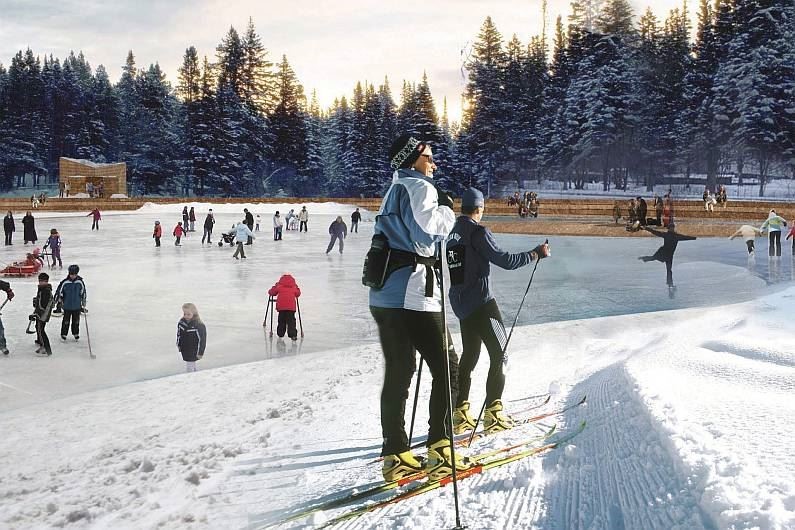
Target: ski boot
[
  {"x": 495, "y": 419},
  {"x": 462, "y": 420},
  {"x": 439, "y": 463},
  {"x": 400, "y": 466}
]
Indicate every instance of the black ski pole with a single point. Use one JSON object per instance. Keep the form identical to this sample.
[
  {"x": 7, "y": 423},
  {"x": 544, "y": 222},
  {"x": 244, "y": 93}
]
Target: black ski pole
[
  {"x": 267, "y": 309},
  {"x": 300, "y": 324},
  {"x": 505, "y": 348},
  {"x": 271, "y": 302},
  {"x": 88, "y": 338},
  {"x": 447, "y": 376},
  {"x": 416, "y": 395}
]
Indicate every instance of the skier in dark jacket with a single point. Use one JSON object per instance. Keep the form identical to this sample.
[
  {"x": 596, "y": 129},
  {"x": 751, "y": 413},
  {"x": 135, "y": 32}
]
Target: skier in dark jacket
[
  {"x": 191, "y": 336},
  {"x": 71, "y": 296},
  {"x": 666, "y": 252},
  {"x": 209, "y": 222},
  {"x": 30, "y": 228},
  {"x": 8, "y": 226},
  {"x": 470, "y": 250}
]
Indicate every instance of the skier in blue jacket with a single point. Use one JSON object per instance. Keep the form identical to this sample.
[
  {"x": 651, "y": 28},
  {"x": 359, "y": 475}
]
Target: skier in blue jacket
[
  {"x": 471, "y": 249},
  {"x": 405, "y": 301}
]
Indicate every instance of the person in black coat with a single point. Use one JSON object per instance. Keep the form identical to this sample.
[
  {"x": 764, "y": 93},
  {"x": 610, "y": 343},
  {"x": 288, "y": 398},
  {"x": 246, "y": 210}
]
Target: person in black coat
[
  {"x": 191, "y": 336},
  {"x": 642, "y": 209},
  {"x": 355, "y": 218},
  {"x": 666, "y": 252},
  {"x": 30, "y": 228},
  {"x": 9, "y": 227},
  {"x": 249, "y": 221}
]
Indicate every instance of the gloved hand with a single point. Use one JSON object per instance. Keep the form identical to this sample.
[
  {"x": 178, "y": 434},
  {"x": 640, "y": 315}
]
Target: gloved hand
[
  {"x": 32, "y": 317},
  {"x": 445, "y": 199},
  {"x": 10, "y": 294},
  {"x": 541, "y": 251}
]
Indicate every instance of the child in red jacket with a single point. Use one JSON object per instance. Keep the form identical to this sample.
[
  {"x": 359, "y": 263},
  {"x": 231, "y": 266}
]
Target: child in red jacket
[
  {"x": 179, "y": 231},
  {"x": 286, "y": 292},
  {"x": 157, "y": 233}
]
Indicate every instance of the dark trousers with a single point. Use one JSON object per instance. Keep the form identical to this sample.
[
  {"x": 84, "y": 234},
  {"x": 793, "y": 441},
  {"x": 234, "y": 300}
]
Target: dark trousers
[
  {"x": 177, "y": 241},
  {"x": 239, "y": 250},
  {"x": 302, "y": 227},
  {"x": 750, "y": 244},
  {"x": 663, "y": 256},
  {"x": 8, "y": 237},
  {"x": 157, "y": 241},
  {"x": 334, "y": 238},
  {"x": 208, "y": 234},
  {"x": 74, "y": 317},
  {"x": 355, "y": 226},
  {"x": 774, "y": 243},
  {"x": 41, "y": 336},
  {"x": 277, "y": 233},
  {"x": 401, "y": 332},
  {"x": 483, "y": 326},
  {"x": 95, "y": 224},
  {"x": 287, "y": 322}
]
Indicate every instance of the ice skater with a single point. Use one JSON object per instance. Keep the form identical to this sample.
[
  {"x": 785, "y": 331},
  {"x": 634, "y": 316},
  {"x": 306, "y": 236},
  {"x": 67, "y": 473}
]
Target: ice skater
[
  {"x": 773, "y": 225},
  {"x": 191, "y": 336},
  {"x": 209, "y": 222},
  {"x": 278, "y": 224},
  {"x": 157, "y": 233},
  {"x": 71, "y": 296},
  {"x": 665, "y": 253},
  {"x": 355, "y": 218},
  {"x": 286, "y": 292},
  {"x": 242, "y": 233},
  {"x": 96, "y": 218},
  {"x": 303, "y": 218},
  {"x": 471, "y": 248},
  {"x": 192, "y": 219},
  {"x": 256, "y": 224},
  {"x": 6, "y": 287},
  {"x": 791, "y": 234},
  {"x": 178, "y": 232},
  {"x": 749, "y": 233},
  {"x": 338, "y": 230},
  {"x": 42, "y": 309},
  {"x": 54, "y": 244}
]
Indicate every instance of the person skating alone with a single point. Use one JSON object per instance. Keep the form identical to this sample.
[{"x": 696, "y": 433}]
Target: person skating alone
[
  {"x": 303, "y": 218},
  {"x": 71, "y": 297},
  {"x": 338, "y": 230},
  {"x": 9, "y": 227},
  {"x": 178, "y": 232},
  {"x": 191, "y": 336},
  {"x": 54, "y": 244},
  {"x": 157, "y": 233},
  {"x": 192, "y": 219},
  {"x": 42, "y": 308},
  {"x": 286, "y": 292},
  {"x": 29, "y": 224},
  {"x": 665, "y": 253},
  {"x": 96, "y": 218},
  {"x": 256, "y": 224},
  {"x": 470, "y": 249},
  {"x": 749, "y": 233},
  {"x": 5, "y": 287},
  {"x": 355, "y": 218},
  {"x": 773, "y": 225},
  {"x": 242, "y": 233},
  {"x": 405, "y": 301},
  {"x": 278, "y": 224},
  {"x": 209, "y": 223}
]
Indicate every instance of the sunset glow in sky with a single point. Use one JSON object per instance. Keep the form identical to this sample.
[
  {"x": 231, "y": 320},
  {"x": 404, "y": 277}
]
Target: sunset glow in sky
[{"x": 330, "y": 45}]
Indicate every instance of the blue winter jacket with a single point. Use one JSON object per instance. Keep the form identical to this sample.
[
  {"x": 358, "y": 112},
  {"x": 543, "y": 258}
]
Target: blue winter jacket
[
  {"x": 470, "y": 250},
  {"x": 412, "y": 220},
  {"x": 73, "y": 293}
]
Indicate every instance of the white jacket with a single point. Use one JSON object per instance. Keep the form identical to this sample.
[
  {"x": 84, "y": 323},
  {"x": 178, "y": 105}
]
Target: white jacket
[
  {"x": 277, "y": 221},
  {"x": 242, "y": 232},
  {"x": 303, "y": 215},
  {"x": 747, "y": 231}
]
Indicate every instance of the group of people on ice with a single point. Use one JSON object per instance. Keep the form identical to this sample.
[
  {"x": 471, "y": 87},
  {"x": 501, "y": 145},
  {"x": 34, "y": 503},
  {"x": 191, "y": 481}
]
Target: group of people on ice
[
  {"x": 403, "y": 271},
  {"x": 773, "y": 225}
]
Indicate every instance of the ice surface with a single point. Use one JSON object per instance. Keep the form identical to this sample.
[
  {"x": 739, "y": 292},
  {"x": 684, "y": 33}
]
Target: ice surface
[{"x": 135, "y": 291}]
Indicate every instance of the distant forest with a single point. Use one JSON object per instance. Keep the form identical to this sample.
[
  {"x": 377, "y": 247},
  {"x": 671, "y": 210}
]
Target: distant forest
[{"x": 613, "y": 97}]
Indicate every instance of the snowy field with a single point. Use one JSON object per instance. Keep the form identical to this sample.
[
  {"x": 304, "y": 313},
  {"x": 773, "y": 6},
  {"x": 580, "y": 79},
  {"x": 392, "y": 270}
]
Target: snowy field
[{"x": 689, "y": 405}]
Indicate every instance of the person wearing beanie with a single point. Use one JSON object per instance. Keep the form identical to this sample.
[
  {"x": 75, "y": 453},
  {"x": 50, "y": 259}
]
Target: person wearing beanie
[
  {"x": 402, "y": 270},
  {"x": 666, "y": 252},
  {"x": 773, "y": 225},
  {"x": 209, "y": 222},
  {"x": 71, "y": 296},
  {"x": 42, "y": 308},
  {"x": 157, "y": 233},
  {"x": 471, "y": 249},
  {"x": 54, "y": 244}
]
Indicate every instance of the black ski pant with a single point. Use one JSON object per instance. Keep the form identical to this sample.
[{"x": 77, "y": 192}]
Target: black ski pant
[
  {"x": 208, "y": 235},
  {"x": 302, "y": 227},
  {"x": 41, "y": 336},
  {"x": 95, "y": 224},
  {"x": 287, "y": 322},
  {"x": 774, "y": 243},
  {"x": 72, "y": 315},
  {"x": 157, "y": 241},
  {"x": 668, "y": 259},
  {"x": 750, "y": 244},
  {"x": 484, "y": 326},
  {"x": 401, "y": 332},
  {"x": 355, "y": 227},
  {"x": 8, "y": 237}
]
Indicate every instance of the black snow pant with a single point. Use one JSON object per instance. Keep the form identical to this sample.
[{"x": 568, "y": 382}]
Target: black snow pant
[
  {"x": 774, "y": 243},
  {"x": 302, "y": 227},
  {"x": 662, "y": 255},
  {"x": 401, "y": 332},
  {"x": 8, "y": 237},
  {"x": 95, "y": 224},
  {"x": 208, "y": 235},
  {"x": 750, "y": 244},
  {"x": 355, "y": 227},
  {"x": 483, "y": 326},
  {"x": 157, "y": 241},
  {"x": 41, "y": 336},
  {"x": 74, "y": 317},
  {"x": 286, "y": 322}
]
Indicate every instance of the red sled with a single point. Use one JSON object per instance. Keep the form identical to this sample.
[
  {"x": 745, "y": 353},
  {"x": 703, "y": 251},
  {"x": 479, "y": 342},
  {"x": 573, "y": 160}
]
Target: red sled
[{"x": 22, "y": 269}]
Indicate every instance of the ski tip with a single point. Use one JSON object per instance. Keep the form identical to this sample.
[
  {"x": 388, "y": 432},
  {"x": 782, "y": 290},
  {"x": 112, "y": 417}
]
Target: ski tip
[
  {"x": 582, "y": 400},
  {"x": 549, "y": 396}
]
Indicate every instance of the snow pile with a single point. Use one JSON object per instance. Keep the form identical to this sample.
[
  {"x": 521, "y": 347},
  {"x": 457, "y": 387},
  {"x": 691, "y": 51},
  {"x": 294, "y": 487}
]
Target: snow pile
[{"x": 689, "y": 426}]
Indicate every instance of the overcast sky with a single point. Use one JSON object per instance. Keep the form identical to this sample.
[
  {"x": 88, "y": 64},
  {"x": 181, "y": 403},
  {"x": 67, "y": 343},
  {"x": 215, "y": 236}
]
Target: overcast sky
[{"x": 330, "y": 45}]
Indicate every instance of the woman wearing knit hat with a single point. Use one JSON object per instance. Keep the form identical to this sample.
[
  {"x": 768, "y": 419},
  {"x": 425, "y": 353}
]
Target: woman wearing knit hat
[
  {"x": 405, "y": 301},
  {"x": 471, "y": 248},
  {"x": 773, "y": 225}
]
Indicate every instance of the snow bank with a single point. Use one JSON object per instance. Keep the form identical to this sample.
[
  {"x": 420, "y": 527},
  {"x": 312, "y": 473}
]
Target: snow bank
[{"x": 323, "y": 208}]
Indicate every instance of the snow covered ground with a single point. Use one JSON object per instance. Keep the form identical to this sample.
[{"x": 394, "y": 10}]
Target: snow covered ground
[{"x": 689, "y": 409}]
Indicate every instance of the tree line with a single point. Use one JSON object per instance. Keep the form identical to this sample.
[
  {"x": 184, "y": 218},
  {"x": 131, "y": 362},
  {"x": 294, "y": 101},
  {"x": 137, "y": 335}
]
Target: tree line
[{"x": 611, "y": 99}]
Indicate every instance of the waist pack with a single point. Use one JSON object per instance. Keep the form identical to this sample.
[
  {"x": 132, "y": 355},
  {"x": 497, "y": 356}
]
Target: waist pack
[{"x": 382, "y": 260}]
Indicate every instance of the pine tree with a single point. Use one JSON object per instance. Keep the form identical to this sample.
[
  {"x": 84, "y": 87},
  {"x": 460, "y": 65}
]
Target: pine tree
[
  {"x": 615, "y": 18},
  {"x": 288, "y": 126},
  {"x": 258, "y": 87},
  {"x": 231, "y": 63}
]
